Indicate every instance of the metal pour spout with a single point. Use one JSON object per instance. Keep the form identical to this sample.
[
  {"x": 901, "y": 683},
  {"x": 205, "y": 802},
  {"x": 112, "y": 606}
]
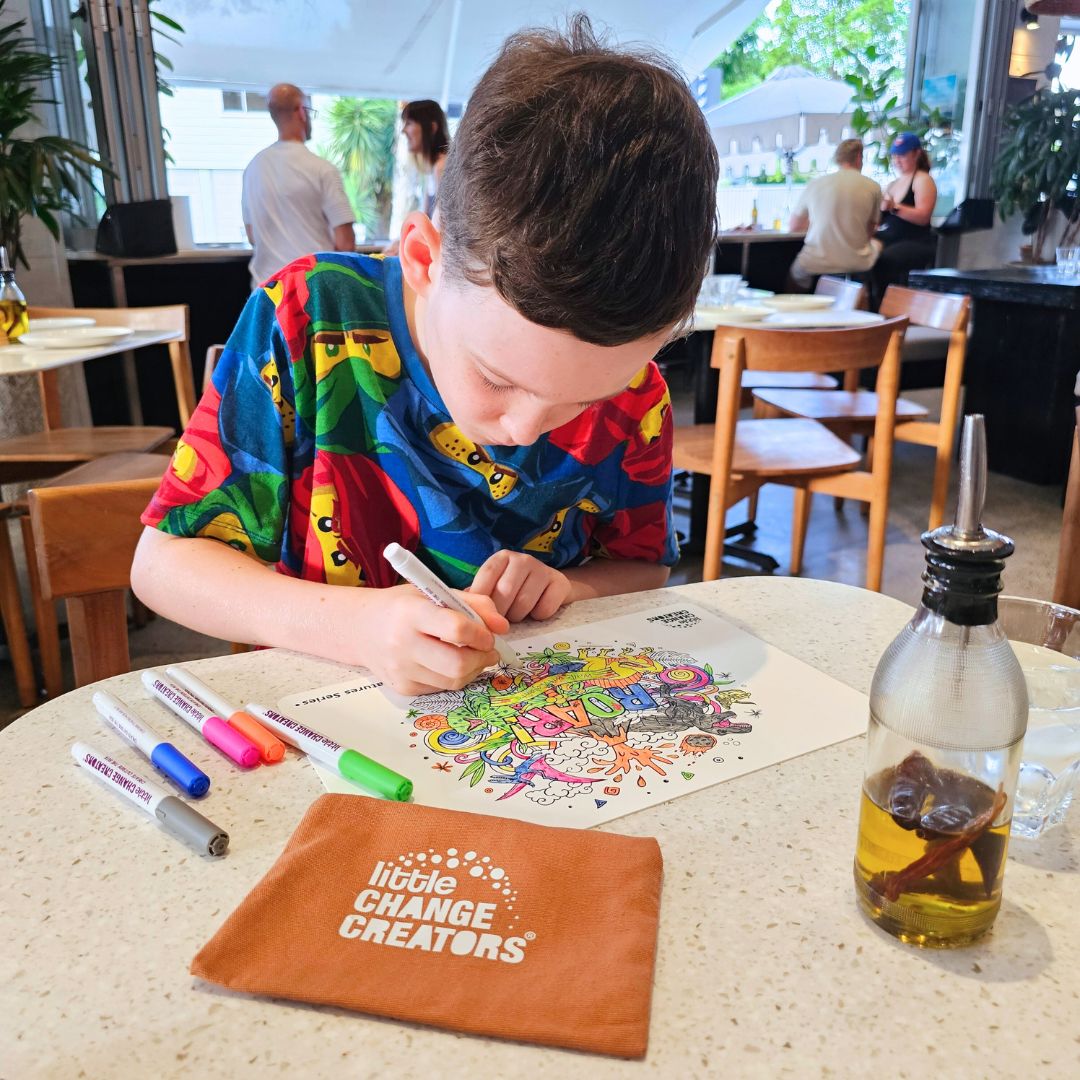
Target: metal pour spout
[{"x": 969, "y": 508}]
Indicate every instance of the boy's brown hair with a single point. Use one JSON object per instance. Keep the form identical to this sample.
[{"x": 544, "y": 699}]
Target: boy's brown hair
[{"x": 581, "y": 184}]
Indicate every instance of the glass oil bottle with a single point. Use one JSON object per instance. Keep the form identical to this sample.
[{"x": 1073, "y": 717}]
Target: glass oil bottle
[
  {"x": 948, "y": 711},
  {"x": 14, "y": 320}
]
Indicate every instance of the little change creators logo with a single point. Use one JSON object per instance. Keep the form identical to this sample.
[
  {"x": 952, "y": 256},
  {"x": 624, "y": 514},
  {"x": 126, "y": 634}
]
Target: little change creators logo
[{"x": 414, "y": 903}]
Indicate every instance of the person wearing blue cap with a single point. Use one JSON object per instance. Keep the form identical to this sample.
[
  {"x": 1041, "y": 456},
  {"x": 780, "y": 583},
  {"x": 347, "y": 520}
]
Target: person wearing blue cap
[{"x": 907, "y": 240}]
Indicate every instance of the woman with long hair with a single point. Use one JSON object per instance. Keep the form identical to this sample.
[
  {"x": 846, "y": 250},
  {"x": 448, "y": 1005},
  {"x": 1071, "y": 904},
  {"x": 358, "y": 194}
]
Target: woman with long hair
[
  {"x": 908, "y": 243},
  {"x": 428, "y": 137}
]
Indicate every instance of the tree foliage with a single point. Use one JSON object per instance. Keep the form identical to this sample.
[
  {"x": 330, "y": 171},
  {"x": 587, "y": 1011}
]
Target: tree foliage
[
  {"x": 362, "y": 133},
  {"x": 828, "y": 37}
]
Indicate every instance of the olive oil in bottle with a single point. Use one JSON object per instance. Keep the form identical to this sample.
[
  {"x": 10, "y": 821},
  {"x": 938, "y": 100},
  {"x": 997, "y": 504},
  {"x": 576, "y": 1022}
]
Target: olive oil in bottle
[
  {"x": 948, "y": 711},
  {"x": 13, "y": 315}
]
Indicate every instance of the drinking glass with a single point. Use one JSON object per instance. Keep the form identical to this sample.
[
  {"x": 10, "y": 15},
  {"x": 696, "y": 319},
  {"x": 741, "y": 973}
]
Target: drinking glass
[
  {"x": 1068, "y": 260},
  {"x": 1046, "y": 640}
]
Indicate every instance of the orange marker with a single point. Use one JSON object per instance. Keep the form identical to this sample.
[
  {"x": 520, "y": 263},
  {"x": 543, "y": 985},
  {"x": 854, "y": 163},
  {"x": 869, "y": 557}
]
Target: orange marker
[{"x": 270, "y": 747}]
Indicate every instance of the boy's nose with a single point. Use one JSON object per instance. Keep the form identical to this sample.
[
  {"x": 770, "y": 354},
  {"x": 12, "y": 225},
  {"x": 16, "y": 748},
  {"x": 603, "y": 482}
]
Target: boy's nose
[{"x": 525, "y": 426}]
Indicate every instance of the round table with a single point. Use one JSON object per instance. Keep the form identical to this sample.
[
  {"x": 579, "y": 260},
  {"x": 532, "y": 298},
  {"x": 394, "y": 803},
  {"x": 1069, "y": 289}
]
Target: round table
[{"x": 764, "y": 966}]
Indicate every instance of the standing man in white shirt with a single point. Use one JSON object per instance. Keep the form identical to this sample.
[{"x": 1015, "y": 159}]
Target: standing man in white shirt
[
  {"x": 839, "y": 213},
  {"x": 294, "y": 202}
]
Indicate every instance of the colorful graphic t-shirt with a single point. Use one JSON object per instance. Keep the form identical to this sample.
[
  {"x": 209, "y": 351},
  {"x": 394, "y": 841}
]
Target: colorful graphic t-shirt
[{"x": 323, "y": 439}]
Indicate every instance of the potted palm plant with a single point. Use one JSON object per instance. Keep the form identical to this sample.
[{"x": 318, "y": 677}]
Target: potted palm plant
[
  {"x": 1038, "y": 166},
  {"x": 38, "y": 175}
]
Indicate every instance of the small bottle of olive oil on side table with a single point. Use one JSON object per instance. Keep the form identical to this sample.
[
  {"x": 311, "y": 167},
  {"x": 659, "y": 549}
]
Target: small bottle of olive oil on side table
[
  {"x": 948, "y": 712},
  {"x": 14, "y": 321}
]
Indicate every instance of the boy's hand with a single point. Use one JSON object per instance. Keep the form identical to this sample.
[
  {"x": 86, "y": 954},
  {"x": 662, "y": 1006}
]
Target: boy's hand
[
  {"x": 418, "y": 648},
  {"x": 521, "y": 586}
]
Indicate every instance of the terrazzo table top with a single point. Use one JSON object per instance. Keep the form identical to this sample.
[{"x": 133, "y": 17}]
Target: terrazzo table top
[{"x": 764, "y": 967}]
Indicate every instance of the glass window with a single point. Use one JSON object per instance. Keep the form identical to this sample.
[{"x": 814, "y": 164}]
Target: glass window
[
  {"x": 256, "y": 102},
  {"x": 232, "y": 101}
]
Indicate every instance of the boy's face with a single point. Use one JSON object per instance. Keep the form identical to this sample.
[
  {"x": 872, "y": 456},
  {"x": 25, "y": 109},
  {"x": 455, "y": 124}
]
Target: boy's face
[{"x": 507, "y": 381}]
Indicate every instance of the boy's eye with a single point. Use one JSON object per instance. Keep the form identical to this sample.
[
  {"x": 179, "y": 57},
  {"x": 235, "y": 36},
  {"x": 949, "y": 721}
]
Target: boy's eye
[{"x": 498, "y": 388}]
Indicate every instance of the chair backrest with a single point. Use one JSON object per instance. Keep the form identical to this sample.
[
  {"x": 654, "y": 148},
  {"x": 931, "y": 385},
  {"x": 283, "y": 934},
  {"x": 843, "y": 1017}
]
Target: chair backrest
[
  {"x": 171, "y": 318},
  {"x": 850, "y": 348},
  {"x": 213, "y": 355},
  {"x": 939, "y": 311},
  {"x": 850, "y": 295},
  {"x": 84, "y": 543},
  {"x": 1067, "y": 583}
]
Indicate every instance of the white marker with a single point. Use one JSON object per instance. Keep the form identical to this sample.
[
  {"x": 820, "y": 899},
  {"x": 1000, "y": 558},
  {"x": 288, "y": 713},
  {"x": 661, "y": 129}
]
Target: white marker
[
  {"x": 163, "y": 755},
  {"x": 416, "y": 573},
  {"x": 175, "y": 815}
]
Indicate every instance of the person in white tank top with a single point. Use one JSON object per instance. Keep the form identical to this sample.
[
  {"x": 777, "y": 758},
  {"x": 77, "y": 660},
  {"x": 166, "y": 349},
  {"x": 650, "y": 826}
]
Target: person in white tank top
[{"x": 293, "y": 202}]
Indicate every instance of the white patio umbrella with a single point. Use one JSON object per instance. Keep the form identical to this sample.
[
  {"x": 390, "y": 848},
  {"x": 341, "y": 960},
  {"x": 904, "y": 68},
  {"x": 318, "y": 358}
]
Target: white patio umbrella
[{"x": 407, "y": 49}]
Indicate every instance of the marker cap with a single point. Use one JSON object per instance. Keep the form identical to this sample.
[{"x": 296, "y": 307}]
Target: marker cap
[
  {"x": 189, "y": 825},
  {"x": 375, "y": 777},
  {"x": 230, "y": 742},
  {"x": 270, "y": 747},
  {"x": 179, "y": 770}
]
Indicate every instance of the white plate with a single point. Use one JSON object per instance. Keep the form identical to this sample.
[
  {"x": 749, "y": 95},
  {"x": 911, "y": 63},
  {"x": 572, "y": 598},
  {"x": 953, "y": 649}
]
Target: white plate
[
  {"x": 78, "y": 337},
  {"x": 814, "y": 319},
  {"x": 799, "y": 302},
  {"x": 61, "y": 322},
  {"x": 707, "y": 317}
]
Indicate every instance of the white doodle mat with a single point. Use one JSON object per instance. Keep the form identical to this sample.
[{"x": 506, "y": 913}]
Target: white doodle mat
[{"x": 595, "y": 722}]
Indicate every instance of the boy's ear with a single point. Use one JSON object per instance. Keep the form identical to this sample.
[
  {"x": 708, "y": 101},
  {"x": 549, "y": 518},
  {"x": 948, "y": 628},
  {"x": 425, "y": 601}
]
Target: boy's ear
[{"x": 420, "y": 252}]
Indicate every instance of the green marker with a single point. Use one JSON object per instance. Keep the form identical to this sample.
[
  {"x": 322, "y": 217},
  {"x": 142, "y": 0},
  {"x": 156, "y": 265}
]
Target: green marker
[{"x": 351, "y": 764}]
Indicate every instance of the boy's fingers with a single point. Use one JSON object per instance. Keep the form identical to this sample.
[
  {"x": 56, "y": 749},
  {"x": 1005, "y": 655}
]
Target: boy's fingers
[
  {"x": 487, "y": 609},
  {"x": 527, "y": 596},
  {"x": 448, "y": 666},
  {"x": 488, "y": 575},
  {"x": 443, "y": 624},
  {"x": 549, "y": 603}
]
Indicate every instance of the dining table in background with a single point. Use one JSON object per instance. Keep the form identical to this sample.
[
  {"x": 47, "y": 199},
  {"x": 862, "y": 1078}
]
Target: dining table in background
[
  {"x": 761, "y": 256},
  {"x": 765, "y": 966},
  {"x": 16, "y": 359}
]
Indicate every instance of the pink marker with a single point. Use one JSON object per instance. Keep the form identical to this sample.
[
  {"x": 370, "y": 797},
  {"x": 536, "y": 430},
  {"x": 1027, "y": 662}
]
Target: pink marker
[{"x": 212, "y": 728}]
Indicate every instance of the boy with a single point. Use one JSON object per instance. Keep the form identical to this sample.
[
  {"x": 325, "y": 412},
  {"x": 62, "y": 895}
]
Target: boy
[{"x": 487, "y": 399}]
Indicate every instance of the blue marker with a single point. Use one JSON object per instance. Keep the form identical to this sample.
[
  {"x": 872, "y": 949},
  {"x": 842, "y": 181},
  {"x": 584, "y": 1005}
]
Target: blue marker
[{"x": 162, "y": 754}]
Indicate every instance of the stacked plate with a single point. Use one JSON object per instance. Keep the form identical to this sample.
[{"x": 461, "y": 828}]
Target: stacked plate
[
  {"x": 798, "y": 302},
  {"x": 71, "y": 332}
]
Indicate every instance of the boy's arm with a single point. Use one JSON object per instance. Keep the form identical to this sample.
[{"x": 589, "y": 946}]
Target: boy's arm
[
  {"x": 607, "y": 577},
  {"x": 406, "y": 640}
]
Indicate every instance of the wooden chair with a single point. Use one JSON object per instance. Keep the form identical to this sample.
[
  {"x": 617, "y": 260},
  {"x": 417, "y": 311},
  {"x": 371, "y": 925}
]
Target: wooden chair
[
  {"x": 853, "y": 412},
  {"x": 213, "y": 355},
  {"x": 112, "y": 469},
  {"x": 1067, "y": 584},
  {"x": 84, "y": 543},
  {"x": 12, "y": 614},
  {"x": 741, "y": 456},
  {"x": 849, "y": 295}
]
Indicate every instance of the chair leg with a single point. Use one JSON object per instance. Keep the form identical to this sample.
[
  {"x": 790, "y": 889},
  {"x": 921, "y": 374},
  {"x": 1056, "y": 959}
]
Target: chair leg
[
  {"x": 751, "y": 506},
  {"x": 96, "y": 650},
  {"x": 14, "y": 626},
  {"x": 875, "y": 546},
  {"x": 48, "y": 632},
  {"x": 864, "y": 508},
  {"x": 941, "y": 487},
  {"x": 799, "y": 519}
]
